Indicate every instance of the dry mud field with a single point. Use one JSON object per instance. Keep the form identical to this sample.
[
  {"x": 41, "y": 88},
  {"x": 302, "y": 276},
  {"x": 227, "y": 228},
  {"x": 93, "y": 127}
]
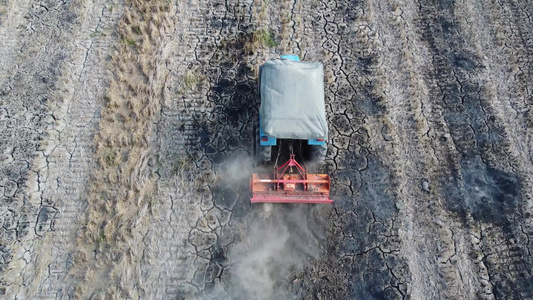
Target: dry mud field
[{"x": 125, "y": 143}]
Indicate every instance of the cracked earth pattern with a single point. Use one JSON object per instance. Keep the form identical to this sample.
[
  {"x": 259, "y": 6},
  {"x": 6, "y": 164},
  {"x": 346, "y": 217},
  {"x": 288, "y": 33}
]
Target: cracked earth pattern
[{"x": 125, "y": 143}]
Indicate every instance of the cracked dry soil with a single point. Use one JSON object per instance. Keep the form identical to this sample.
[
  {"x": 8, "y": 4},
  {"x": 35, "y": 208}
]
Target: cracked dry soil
[{"x": 125, "y": 135}]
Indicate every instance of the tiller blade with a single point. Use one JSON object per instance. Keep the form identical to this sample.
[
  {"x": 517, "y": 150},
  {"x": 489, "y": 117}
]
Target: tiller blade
[{"x": 289, "y": 187}]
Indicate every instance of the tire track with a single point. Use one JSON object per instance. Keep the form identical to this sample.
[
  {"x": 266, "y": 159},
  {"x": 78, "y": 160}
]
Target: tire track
[
  {"x": 478, "y": 140},
  {"x": 30, "y": 96},
  {"x": 409, "y": 130},
  {"x": 63, "y": 164}
]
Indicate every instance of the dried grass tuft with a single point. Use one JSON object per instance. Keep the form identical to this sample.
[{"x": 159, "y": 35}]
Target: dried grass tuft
[{"x": 121, "y": 188}]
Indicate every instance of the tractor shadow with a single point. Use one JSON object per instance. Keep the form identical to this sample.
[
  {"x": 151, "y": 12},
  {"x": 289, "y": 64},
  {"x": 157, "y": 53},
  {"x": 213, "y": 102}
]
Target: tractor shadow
[{"x": 233, "y": 96}]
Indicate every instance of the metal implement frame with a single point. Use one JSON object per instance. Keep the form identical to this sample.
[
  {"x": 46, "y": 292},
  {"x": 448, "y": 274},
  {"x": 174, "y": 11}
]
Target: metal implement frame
[{"x": 270, "y": 190}]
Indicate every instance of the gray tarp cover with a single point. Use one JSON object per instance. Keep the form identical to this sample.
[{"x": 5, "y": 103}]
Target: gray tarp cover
[{"x": 292, "y": 100}]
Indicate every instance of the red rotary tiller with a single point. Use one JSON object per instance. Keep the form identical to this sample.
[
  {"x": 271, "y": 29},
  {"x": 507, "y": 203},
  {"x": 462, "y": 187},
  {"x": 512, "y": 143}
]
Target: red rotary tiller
[{"x": 290, "y": 187}]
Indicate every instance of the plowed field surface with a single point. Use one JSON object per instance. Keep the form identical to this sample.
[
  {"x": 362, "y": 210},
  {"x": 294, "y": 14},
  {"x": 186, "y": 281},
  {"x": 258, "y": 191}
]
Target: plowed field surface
[{"x": 126, "y": 150}]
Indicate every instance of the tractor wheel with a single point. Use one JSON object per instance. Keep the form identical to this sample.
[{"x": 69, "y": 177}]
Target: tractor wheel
[
  {"x": 317, "y": 153},
  {"x": 262, "y": 153}
]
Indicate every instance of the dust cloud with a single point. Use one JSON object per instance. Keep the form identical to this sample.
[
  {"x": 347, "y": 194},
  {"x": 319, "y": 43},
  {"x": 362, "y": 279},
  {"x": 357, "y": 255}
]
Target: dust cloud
[
  {"x": 279, "y": 242},
  {"x": 275, "y": 241}
]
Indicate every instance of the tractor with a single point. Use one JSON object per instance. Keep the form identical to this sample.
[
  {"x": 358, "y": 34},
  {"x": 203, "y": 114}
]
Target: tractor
[{"x": 291, "y": 128}]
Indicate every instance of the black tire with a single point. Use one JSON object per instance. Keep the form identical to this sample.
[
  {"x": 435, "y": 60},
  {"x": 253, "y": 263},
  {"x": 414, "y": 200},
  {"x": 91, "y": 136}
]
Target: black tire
[
  {"x": 317, "y": 153},
  {"x": 262, "y": 154}
]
